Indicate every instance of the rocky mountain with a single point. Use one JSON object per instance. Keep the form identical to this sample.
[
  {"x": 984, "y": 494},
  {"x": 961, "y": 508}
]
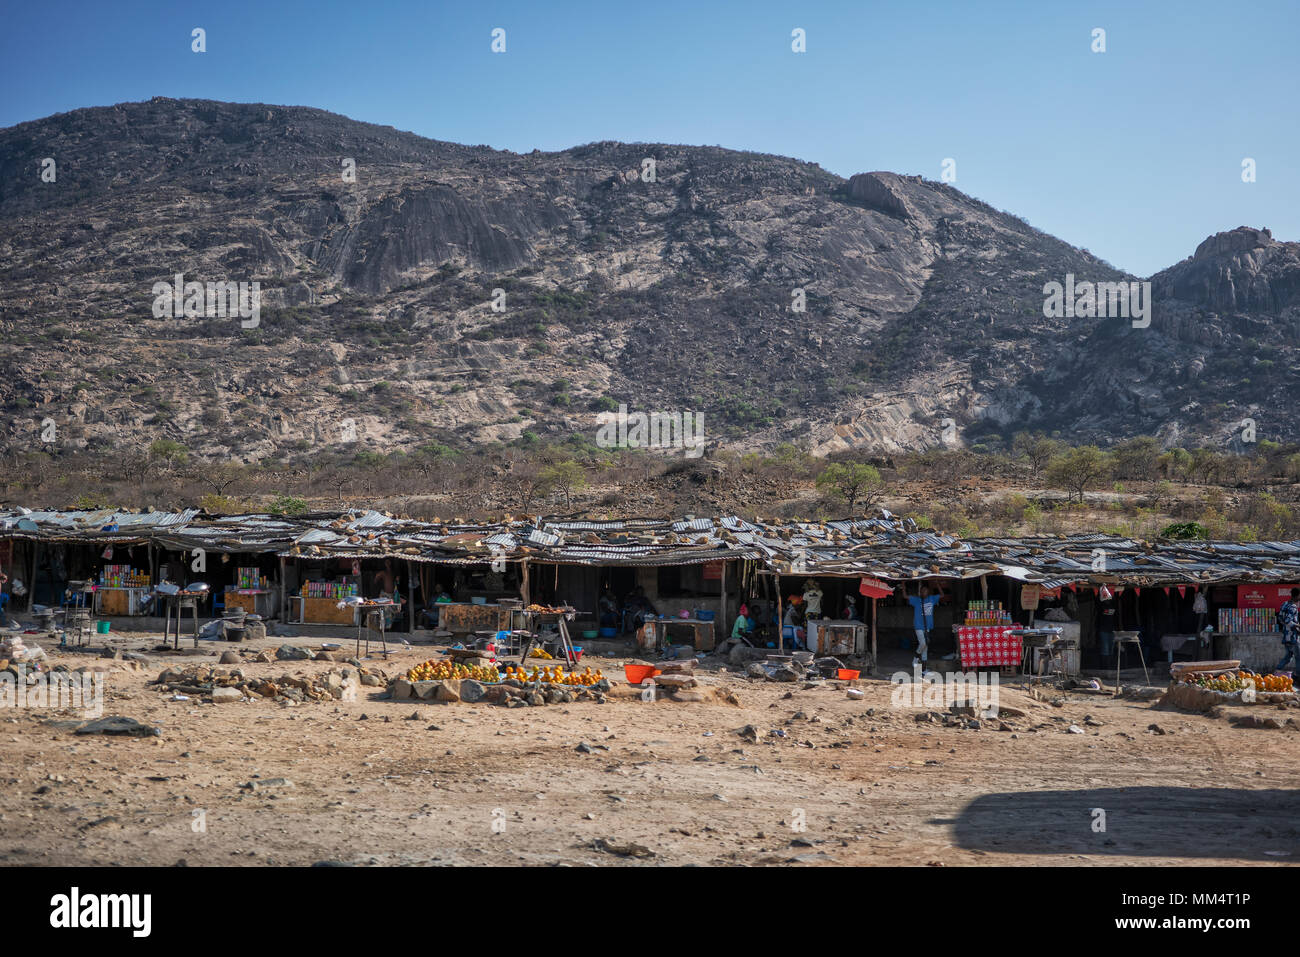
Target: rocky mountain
[{"x": 413, "y": 290}]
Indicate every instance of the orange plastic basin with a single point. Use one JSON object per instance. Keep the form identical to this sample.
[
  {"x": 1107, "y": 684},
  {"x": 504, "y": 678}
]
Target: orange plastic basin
[
  {"x": 639, "y": 673},
  {"x": 845, "y": 674}
]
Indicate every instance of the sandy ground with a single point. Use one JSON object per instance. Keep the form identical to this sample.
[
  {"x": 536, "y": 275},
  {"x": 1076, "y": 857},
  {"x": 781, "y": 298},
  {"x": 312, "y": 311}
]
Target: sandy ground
[{"x": 385, "y": 782}]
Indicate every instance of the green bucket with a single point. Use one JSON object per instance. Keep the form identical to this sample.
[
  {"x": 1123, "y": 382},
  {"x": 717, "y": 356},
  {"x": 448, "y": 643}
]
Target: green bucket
[{"x": 103, "y": 626}]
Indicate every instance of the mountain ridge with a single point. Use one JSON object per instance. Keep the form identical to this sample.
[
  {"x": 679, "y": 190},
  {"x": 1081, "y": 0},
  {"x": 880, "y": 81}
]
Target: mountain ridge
[{"x": 922, "y": 322}]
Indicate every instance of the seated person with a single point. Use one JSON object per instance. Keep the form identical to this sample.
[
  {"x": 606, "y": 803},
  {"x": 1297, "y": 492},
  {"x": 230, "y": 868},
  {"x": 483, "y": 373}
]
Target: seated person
[
  {"x": 794, "y": 619},
  {"x": 431, "y": 611},
  {"x": 640, "y": 606},
  {"x": 744, "y": 626},
  {"x": 608, "y": 611}
]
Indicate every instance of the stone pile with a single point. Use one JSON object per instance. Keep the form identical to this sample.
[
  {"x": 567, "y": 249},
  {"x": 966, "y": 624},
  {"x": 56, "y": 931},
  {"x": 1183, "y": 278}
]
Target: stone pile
[{"x": 222, "y": 686}]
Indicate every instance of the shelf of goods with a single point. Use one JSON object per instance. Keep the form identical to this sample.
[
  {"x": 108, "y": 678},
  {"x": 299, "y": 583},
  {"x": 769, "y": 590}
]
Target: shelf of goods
[
  {"x": 318, "y": 603},
  {"x": 985, "y": 638},
  {"x": 121, "y": 591}
]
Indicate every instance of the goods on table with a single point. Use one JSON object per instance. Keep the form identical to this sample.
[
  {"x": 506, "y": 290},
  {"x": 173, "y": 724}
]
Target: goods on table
[
  {"x": 547, "y": 609},
  {"x": 336, "y": 591},
  {"x": 985, "y": 645},
  {"x": 1247, "y": 621},
  {"x": 986, "y": 613},
  {"x": 248, "y": 579},
  {"x": 555, "y": 675},
  {"x": 123, "y": 576},
  {"x": 1238, "y": 680},
  {"x": 433, "y": 670}
]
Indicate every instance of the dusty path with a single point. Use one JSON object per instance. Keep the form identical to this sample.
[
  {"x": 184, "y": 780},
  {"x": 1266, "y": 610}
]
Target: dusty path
[{"x": 476, "y": 784}]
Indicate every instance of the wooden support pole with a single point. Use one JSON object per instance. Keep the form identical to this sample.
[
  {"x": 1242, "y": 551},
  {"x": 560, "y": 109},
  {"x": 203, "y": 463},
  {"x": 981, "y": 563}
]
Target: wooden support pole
[
  {"x": 723, "y": 589},
  {"x": 284, "y": 598},
  {"x": 874, "y": 661},
  {"x": 523, "y": 581},
  {"x": 410, "y": 597},
  {"x": 780, "y": 618},
  {"x": 31, "y": 580}
]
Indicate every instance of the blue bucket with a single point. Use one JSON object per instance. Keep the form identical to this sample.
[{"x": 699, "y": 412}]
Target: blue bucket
[
  {"x": 608, "y": 632},
  {"x": 703, "y": 615}
]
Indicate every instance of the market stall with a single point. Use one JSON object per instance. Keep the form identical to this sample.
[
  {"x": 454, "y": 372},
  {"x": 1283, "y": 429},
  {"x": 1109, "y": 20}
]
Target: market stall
[
  {"x": 464, "y": 617},
  {"x": 986, "y": 637},
  {"x": 252, "y": 592},
  {"x": 829, "y": 636},
  {"x": 318, "y": 602},
  {"x": 701, "y": 632},
  {"x": 122, "y": 591}
]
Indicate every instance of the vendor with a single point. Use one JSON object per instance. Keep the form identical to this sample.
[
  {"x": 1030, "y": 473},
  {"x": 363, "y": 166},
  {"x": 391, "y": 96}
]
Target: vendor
[
  {"x": 850, "y": 612},
  {"x": 385, "y": 580},
  {"x": 640, "y": 607},
  {"x": 431, "y": 611},
  {"x": 794, "y": 621},
  {"x": 744, "y": 627},
  {"x": 923, "y": 603},
  {"x": 812, "y": 599},
  {"x": 608, "y": 609},
  {"x": 4, "y": 600}
]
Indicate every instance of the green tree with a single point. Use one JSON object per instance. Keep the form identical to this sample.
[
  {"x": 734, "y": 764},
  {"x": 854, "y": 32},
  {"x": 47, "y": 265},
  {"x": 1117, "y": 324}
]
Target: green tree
[
  {"x": 168, "y": 452},
  {"x": 1036, "y": 449},
  {"x": 854, "y": 482},
  {"x": 565, "y": 477},
  {"x": 1077, "y": 469},
  {"x": 1136, "y": 458}
]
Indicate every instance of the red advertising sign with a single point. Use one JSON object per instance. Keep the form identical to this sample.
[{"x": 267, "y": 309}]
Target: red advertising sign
[
  {"x": 1263, "y": 596},
  {"x": 713, "y": 571}
]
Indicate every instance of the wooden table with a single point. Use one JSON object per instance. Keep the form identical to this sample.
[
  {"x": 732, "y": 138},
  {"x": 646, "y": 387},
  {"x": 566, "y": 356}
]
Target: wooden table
[
  {"x": 322, "y": 611},
  {"x": 702, "y": 631},
  {"x": 372, "y": 618},
  {"x": 839, "y": 636},
  {"x": 113, "y": 602},
  {"x": 254, "y": 601},
  {"x": 179, "y": 602}
]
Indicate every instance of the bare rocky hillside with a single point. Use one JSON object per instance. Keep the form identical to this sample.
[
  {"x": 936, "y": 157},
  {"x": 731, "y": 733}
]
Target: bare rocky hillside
[{"x": 377, "y": 330}]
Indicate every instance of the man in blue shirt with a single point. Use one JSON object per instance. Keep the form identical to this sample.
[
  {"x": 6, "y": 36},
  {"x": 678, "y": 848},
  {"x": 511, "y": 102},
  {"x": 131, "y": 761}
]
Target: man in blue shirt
[
  {"x": 1288, "y": 619},
  {"x": 923, "y": 620}
]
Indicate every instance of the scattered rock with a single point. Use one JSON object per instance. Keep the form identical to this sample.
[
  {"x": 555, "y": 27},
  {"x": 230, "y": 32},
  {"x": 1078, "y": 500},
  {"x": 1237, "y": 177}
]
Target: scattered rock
[{"x": 126, "y": 727}]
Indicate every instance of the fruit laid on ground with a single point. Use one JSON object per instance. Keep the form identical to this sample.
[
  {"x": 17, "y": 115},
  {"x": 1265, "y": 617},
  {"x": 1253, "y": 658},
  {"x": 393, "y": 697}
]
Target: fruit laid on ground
[
  {"x": 554, "y": 675},
  {"x": 446, "y": 669},
  {"x": 1239, "y": 680}
]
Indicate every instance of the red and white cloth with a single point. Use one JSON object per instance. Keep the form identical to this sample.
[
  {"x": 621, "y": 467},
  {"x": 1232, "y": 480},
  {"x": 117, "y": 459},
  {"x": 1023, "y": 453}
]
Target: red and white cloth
[{"x": 988, "y": 645}]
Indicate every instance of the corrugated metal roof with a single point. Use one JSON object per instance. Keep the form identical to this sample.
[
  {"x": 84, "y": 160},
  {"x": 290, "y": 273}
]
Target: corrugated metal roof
[{"x": 884, "y": 547}]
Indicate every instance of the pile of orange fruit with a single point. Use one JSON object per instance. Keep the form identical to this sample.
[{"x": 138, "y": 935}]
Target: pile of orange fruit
[
  {"x": 555, "y": 675},
  {"x": 1236, "y": 681}
]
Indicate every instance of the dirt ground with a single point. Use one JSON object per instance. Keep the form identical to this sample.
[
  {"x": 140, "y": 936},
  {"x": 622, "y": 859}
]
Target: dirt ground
[{"x": 854, "y": 782}]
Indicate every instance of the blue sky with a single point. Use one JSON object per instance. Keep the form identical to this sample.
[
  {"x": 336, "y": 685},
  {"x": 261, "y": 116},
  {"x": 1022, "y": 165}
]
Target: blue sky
[{"x": 1134, "y": 153}]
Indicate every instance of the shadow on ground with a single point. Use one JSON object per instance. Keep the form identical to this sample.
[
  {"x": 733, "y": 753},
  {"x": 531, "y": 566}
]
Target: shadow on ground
[{"x": 1139, "y": 821}]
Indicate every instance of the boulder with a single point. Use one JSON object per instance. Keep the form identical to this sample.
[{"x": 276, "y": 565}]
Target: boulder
[
  {"x": 402, "y": 690},
  {"x": 682, "y": 694},
  {"x": 226, "y": 695},
  {"x": 292, "y": 653},
  {"x": 424, "y": 690},
  {"x": 472, "y": 691},
  {"x": 447, "y": 690},
  {"x": 686, "y": 667},
  {"x": 675, "y": 681},
  {"x": 230, "y": 658}
]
